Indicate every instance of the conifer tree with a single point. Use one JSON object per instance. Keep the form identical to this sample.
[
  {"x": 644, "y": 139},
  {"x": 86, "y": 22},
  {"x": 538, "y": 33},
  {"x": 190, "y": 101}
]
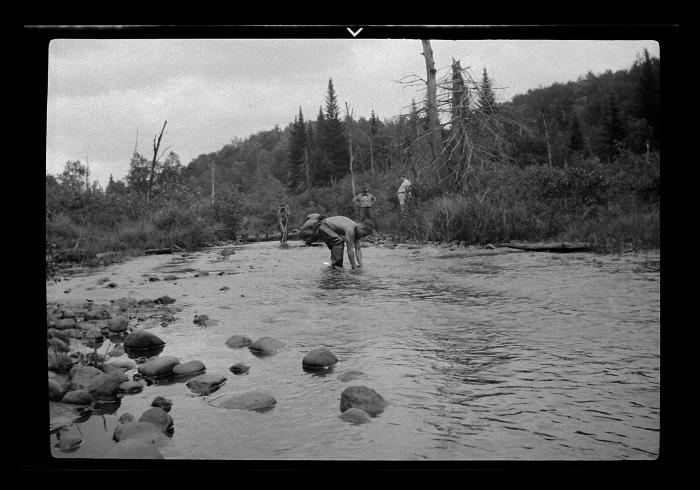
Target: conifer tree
[
  {"x": 486, "y": 100},
  {"x": 333, "y": 140},
  {"x": 613, "y": 131},
  {"x": 297, "y": 150},
  {"x": 576, "y": 142}
]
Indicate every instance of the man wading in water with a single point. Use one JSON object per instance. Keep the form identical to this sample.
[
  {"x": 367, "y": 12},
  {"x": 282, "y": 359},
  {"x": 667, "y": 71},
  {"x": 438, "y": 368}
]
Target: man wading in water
[
  {"x": 335, "y": 232},
  {"x": 365, "y": 200},
  {"x": 283, "y": 218}
]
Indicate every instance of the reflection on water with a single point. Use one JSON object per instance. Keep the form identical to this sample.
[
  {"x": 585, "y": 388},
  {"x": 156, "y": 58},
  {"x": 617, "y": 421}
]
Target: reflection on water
[{"x": 492, "y": 356}]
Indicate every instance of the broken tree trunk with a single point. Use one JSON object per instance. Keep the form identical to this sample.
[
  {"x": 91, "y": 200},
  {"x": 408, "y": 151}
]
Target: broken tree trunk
[
  {"x": 561, "y": 247},
  {"x": 156, "y": 147},
  {"x": 432, "y": 108}
]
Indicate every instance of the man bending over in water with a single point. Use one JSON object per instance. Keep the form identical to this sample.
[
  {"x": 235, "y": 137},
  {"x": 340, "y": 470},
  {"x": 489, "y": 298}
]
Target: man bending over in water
[{"x": 336, "y": 232}]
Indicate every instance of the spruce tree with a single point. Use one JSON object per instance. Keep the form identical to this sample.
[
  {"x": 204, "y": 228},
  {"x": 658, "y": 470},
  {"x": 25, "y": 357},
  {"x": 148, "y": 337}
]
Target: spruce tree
[
  {"x": 333, "y": 140},
  {"x": 297, "y": 148},
  {"x": 647, "y": 95},
  {"x": 576, "y": 141},
  {"x": 613, "y": 131},
  {"x": 486, "y": 101}
]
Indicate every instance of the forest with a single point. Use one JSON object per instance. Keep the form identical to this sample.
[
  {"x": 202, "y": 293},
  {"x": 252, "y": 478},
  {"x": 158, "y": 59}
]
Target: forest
[{"x": 575, "y": 161}]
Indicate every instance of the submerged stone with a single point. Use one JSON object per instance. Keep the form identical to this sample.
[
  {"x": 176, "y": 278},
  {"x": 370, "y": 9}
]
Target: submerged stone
[
  {"x": 69, "y": 442},
  {"x": 129, "y": 387},
  {"x": 239, "y": 368},
  {"x": 266, "y": 346},
  {"x": 77, "y": 397},
  {"x": 206, "y": 383},
  {"x": 159, "y": 418},
  {"x": 237, "y": 341},
  {"x": 356, "y": 416},
  {"x": 351, "y": 376},
  {"x": 58, "y": 345},
  {"x": 252, "y": 400},
  {"x": 363, "y": 398},
  {"x": 144, "y": 431}
]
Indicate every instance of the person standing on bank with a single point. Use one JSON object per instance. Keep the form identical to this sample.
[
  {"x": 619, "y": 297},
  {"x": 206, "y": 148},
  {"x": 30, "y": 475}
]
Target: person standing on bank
[
  {"x": 403, "y": 192},
  {"x": 365, "y": 200},
  {"x": 283, "y": 219}
]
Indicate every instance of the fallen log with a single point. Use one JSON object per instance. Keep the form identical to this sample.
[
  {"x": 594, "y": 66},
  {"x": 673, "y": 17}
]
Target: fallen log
[
  {"x": 158, "y": 251},
  {"x": 559, "y": 247}
]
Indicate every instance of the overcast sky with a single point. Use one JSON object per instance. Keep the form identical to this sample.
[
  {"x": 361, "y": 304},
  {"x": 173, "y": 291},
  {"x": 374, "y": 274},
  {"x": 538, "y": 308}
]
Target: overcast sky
[{"x": 210, "y": 91}]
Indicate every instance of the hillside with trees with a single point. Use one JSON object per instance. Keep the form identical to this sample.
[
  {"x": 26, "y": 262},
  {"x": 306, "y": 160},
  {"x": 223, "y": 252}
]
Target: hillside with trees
[{"x": 576, "y": 160}]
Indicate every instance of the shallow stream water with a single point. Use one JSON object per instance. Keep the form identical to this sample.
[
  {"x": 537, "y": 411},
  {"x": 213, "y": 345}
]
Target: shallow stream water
[{"x": 482, "y": 356}]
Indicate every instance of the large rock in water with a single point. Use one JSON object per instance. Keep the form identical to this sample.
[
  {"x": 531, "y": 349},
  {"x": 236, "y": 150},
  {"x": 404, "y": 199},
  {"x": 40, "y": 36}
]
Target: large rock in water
[
  {"x": 81, "y": 376},
  {"x": 133, "y": 449},
  {"x": 159, "y": 366},
  {"x": 237, "y": 341},
  {"x": 266, "y": 346},
  {"x": 158, "y": 417},
  {"x": 206, "y": 383},
  {"x": 189, "y": 368},
  {"x": 252, "y": 400},
  {"x": 58, "y": 345},
  {"x": 77, "y": 397},
  {"x": 118, "y": 324},
  {"x": 56, "y": 390},
  {"x": 164, "y": 403},
  {"x": 319, "y": 359},
  {"x": 142, "y": 340},
  {"x": 106, "y": 385},
  {"x": 130, "y": 387},
  {"x": 363, "y": 398}
]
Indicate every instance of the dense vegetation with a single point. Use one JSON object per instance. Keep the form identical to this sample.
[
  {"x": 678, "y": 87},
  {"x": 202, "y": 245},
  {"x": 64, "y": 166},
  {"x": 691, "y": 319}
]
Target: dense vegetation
[{"x": 576, "y": 161}]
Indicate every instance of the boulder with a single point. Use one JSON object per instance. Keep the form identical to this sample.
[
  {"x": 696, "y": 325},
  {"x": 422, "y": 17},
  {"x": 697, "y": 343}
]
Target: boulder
[
  {"x": 170, "y": 277},
  {"x": 58, "y": 345},
  {"x": 158, "y": 417},
  {"x": 59, "y": 361},
  {"x": 123, "y": 365},
  {"x": 63, "y": 336},
  {"x": 142, "y": 339},
  {"x": 77, "y": 397},
  {"x": 68, "y": 314},
  {"x": 82, "y": 376},
  {"x": 117, "y": 351},
  {"x": 355, "y": 415},
  {"x": 158, "y": 366},
  {"x": 237, "y": 341},
  {"x": 69, "y": 442},
  {"x": 56, "y": 390},
  {"x": 106, "y": 385},
  {"x": 163, "y": 403},
  {"x": 123, "y": 304},
  {"x": 144, "y": 431},
  {"x": 266, "y": 346},
  {"x": 66, "y": 324},
  {"x": 126, "y": 418},
  {"x": 133, "y": 449},
  {"x": 97, "y": 313},
  {"x": 363, "y": 398},
  {"x": 200, "y": 320},
  {"x": 206, "y": 383},
  {"x": 319, "y": 359},
  {"x": 201, "y": 274},
  {"x": 189, "y": 368},
  {"x": 165, "y": 300},
  {"x": 118, "y": 324},
  {"x": 239, "y": 368},
  {"x": 129, "y": 387},
  {"x": 252, "y": 400}
]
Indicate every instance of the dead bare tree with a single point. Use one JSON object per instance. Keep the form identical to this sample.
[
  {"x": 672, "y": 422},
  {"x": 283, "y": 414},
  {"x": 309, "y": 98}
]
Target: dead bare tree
[
  {"x": 348, "y": 119},
  {"x": 433, "y": 115},
  {"x": 156, "y": 147}
]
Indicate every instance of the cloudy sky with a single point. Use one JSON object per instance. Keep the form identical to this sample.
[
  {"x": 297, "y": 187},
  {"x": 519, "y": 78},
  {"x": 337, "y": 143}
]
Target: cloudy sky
[{"x": 101, "y": 91}]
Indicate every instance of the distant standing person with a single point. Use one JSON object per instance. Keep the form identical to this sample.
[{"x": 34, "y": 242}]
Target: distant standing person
[
  {"x": 365, "y": 200},
  {"x": 403, "y": 192},
  {"x": 283, "y": 217}
]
